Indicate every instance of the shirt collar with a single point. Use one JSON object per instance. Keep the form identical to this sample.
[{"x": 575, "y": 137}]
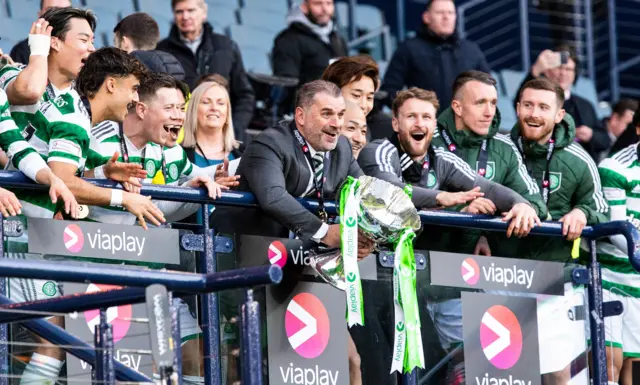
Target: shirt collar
[{"x": 567, "y": 95}]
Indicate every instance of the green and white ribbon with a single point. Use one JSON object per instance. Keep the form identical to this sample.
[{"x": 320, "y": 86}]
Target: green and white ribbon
[
  {"x": 349, "y": 208},
  {"x": 407, "y": 346}
]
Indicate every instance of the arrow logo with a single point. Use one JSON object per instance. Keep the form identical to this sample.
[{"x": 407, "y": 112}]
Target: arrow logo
[
  {"x": 470, "y": 271},
  {"x": 501, "y": 337},
  {"x": 351, "y": 277},
  {"x": 73, "y": 238},
  {"x": 350, "y": 222},
  {"x": 307, "y": 325},
  {"x": 277, "y": 254}
]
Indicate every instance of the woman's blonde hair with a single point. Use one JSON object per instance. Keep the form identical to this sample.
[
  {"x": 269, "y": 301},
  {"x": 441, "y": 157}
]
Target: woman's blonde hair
[{"x": 191, "y": 120}]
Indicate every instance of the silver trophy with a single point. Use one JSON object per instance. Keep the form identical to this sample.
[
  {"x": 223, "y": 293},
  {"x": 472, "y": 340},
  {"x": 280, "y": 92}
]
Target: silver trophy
[{"x": 385, "y": 210}]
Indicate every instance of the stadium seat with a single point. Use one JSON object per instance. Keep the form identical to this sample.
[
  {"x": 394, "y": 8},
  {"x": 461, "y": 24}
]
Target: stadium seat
[
  {"x": 121, "y": 7},
  {"x": 6, "y": 45},
  {"x": 164, "y": 23},
  {"x": 15, "y": 29},
  {"x": 222, "y": 15},
  {"x": 156, "y": 7},
  {"x": 507, "y": 114},
  {"x": 276, "y": 6},
  {"x": 250, "y": 37},
  {"x": 586, "y": 88},
  {"x": 264, "y": 20},
  {"x": 107, "y": 19},
  {"x": 24, "y": 9},
  {"x": 256, "y": 60},
  {"x": 511, "y": 82},
  {"x": 499, "y": 85}
]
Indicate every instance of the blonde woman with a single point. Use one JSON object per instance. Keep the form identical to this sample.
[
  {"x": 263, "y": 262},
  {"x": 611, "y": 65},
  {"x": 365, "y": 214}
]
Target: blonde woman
[{"x": 208, "y": 129}]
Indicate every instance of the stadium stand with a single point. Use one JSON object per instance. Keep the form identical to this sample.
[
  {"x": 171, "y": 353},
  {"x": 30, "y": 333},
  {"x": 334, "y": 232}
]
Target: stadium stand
[
  {"x": 275, "y": 6},
  {"x": 23, "y": 9},
  {"x": 122, "y": 7}
]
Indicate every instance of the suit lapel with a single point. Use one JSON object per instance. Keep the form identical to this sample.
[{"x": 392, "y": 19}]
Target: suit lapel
[{"x": 303, "y": 169}]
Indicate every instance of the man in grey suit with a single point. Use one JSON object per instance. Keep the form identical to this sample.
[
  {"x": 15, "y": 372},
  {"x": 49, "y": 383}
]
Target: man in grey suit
[{"x": 278, "y": 166}]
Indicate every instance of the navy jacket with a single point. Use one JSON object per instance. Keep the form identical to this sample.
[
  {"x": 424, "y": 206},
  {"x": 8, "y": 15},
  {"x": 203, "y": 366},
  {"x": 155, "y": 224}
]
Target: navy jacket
[{"x": 431, "y": 62}]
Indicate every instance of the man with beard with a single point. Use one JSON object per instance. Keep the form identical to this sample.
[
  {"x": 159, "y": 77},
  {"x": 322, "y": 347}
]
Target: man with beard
[
  {"x": 433, "y": 58},
  {"x": 408, "y": 157},
  {"x": 309, "y": 44},
  {"x": 469, "y": 129},
  {"x": 571, "y": 189}
]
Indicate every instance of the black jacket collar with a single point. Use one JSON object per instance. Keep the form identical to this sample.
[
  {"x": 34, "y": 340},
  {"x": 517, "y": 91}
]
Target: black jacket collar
[
  {"x": 428, "y": 35},
  {"x": 412, "y": 171}
]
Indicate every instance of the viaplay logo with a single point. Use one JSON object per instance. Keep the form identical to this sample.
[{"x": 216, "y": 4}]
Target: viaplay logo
[
  {"x": 73, "y": 238},
  {"x": 119, "y": 317},
  {"x": 470, "y": 271},
  {"x": 277, "y": 254},
  {"x": 501, "y": 337},
  {"x": 307, "y": 325}
]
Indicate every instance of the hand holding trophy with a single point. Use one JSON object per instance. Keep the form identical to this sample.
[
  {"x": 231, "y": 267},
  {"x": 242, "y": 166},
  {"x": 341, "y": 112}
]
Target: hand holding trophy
[{"x": 385, "y": 214}]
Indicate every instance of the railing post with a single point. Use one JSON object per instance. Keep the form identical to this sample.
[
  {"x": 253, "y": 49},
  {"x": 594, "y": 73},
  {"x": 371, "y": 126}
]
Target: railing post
[
  {"x": 353, "y": 27},
  {"x": 409, "y": 378},
  {"x": 524, "y": 35},
  {"x": 400, "y": 17},
  {"x": 596, "y": 319},
  {"x": 209, "y": 308},
  {"x": 175, "y": 325},
  {"x": 613, "y": 52},
  {"x": 4, "y": 335},
  {"x": 251, "y": 347},
  {"x": 591, "y": 67}
]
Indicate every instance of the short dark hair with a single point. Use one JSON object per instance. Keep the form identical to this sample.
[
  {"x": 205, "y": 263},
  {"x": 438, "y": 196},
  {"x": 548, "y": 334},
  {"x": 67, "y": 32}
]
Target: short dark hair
[
  {"x": 217, "y": 78},
  {"x": 545, "y": 85},
  {"x": 623, "y": 105},
  {"x": 107, "y": 62},
  {"x": 155, "y": 81},
  {"x": 636, "y": 118},
  {"x": 308, "y": 92},
  {"x": 59, "y": 19},
  {"x": 468, "y": 76},
  {"x": 141, "y": 28},
  {"x": 351, "y": 69},
  {"x": 573, "y": 55},
  {"x": 414, "y": 93}
]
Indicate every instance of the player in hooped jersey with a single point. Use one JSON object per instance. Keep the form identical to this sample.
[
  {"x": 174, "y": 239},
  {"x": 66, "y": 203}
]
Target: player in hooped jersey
[
  {"x": 61, "y": 135},
  {"x": 59, "y": 42},
  {"x": 620, "y": 175}
]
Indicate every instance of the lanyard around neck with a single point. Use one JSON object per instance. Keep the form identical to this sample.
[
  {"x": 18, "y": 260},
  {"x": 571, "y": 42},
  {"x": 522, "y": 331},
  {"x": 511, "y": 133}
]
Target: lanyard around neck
[
  {"x": 546, "y": 184},
  {"x": 483, "y": 156},
  {"x": 317, "y": 184}
]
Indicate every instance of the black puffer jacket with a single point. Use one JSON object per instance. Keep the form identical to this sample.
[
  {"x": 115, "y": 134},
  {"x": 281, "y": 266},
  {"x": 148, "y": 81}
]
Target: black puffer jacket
[
  {"x": 431, "y": 62},
  {"x": 299, "y": 53},
  {"x": 160, "y": 61},
  {"x": 217, "y": 54}
]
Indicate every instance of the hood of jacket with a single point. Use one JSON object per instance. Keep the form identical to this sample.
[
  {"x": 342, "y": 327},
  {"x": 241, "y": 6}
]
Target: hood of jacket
[
  {"x": 296, "y": 16},
  {"x": 160, "y": 61},
  {"x": 466, "y": 137},
  {"x": 564, "y": 134},
  {"x": 428, "y": 35}
]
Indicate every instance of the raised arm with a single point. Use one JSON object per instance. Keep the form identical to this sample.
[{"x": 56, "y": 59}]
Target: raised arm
[{"x": 27, "y": 86}]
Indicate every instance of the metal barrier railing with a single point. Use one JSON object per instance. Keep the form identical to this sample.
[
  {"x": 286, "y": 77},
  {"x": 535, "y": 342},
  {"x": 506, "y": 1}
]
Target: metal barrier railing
[{"x": 211, "y": 280}]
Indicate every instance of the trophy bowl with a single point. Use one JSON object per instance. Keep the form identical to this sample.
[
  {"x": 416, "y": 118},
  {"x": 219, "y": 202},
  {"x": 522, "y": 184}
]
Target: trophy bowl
[{"x": 384, "y": 211}]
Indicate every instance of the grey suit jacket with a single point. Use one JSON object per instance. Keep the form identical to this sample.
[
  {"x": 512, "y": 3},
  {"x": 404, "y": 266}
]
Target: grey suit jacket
[{"x": 274, "y": 168}]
